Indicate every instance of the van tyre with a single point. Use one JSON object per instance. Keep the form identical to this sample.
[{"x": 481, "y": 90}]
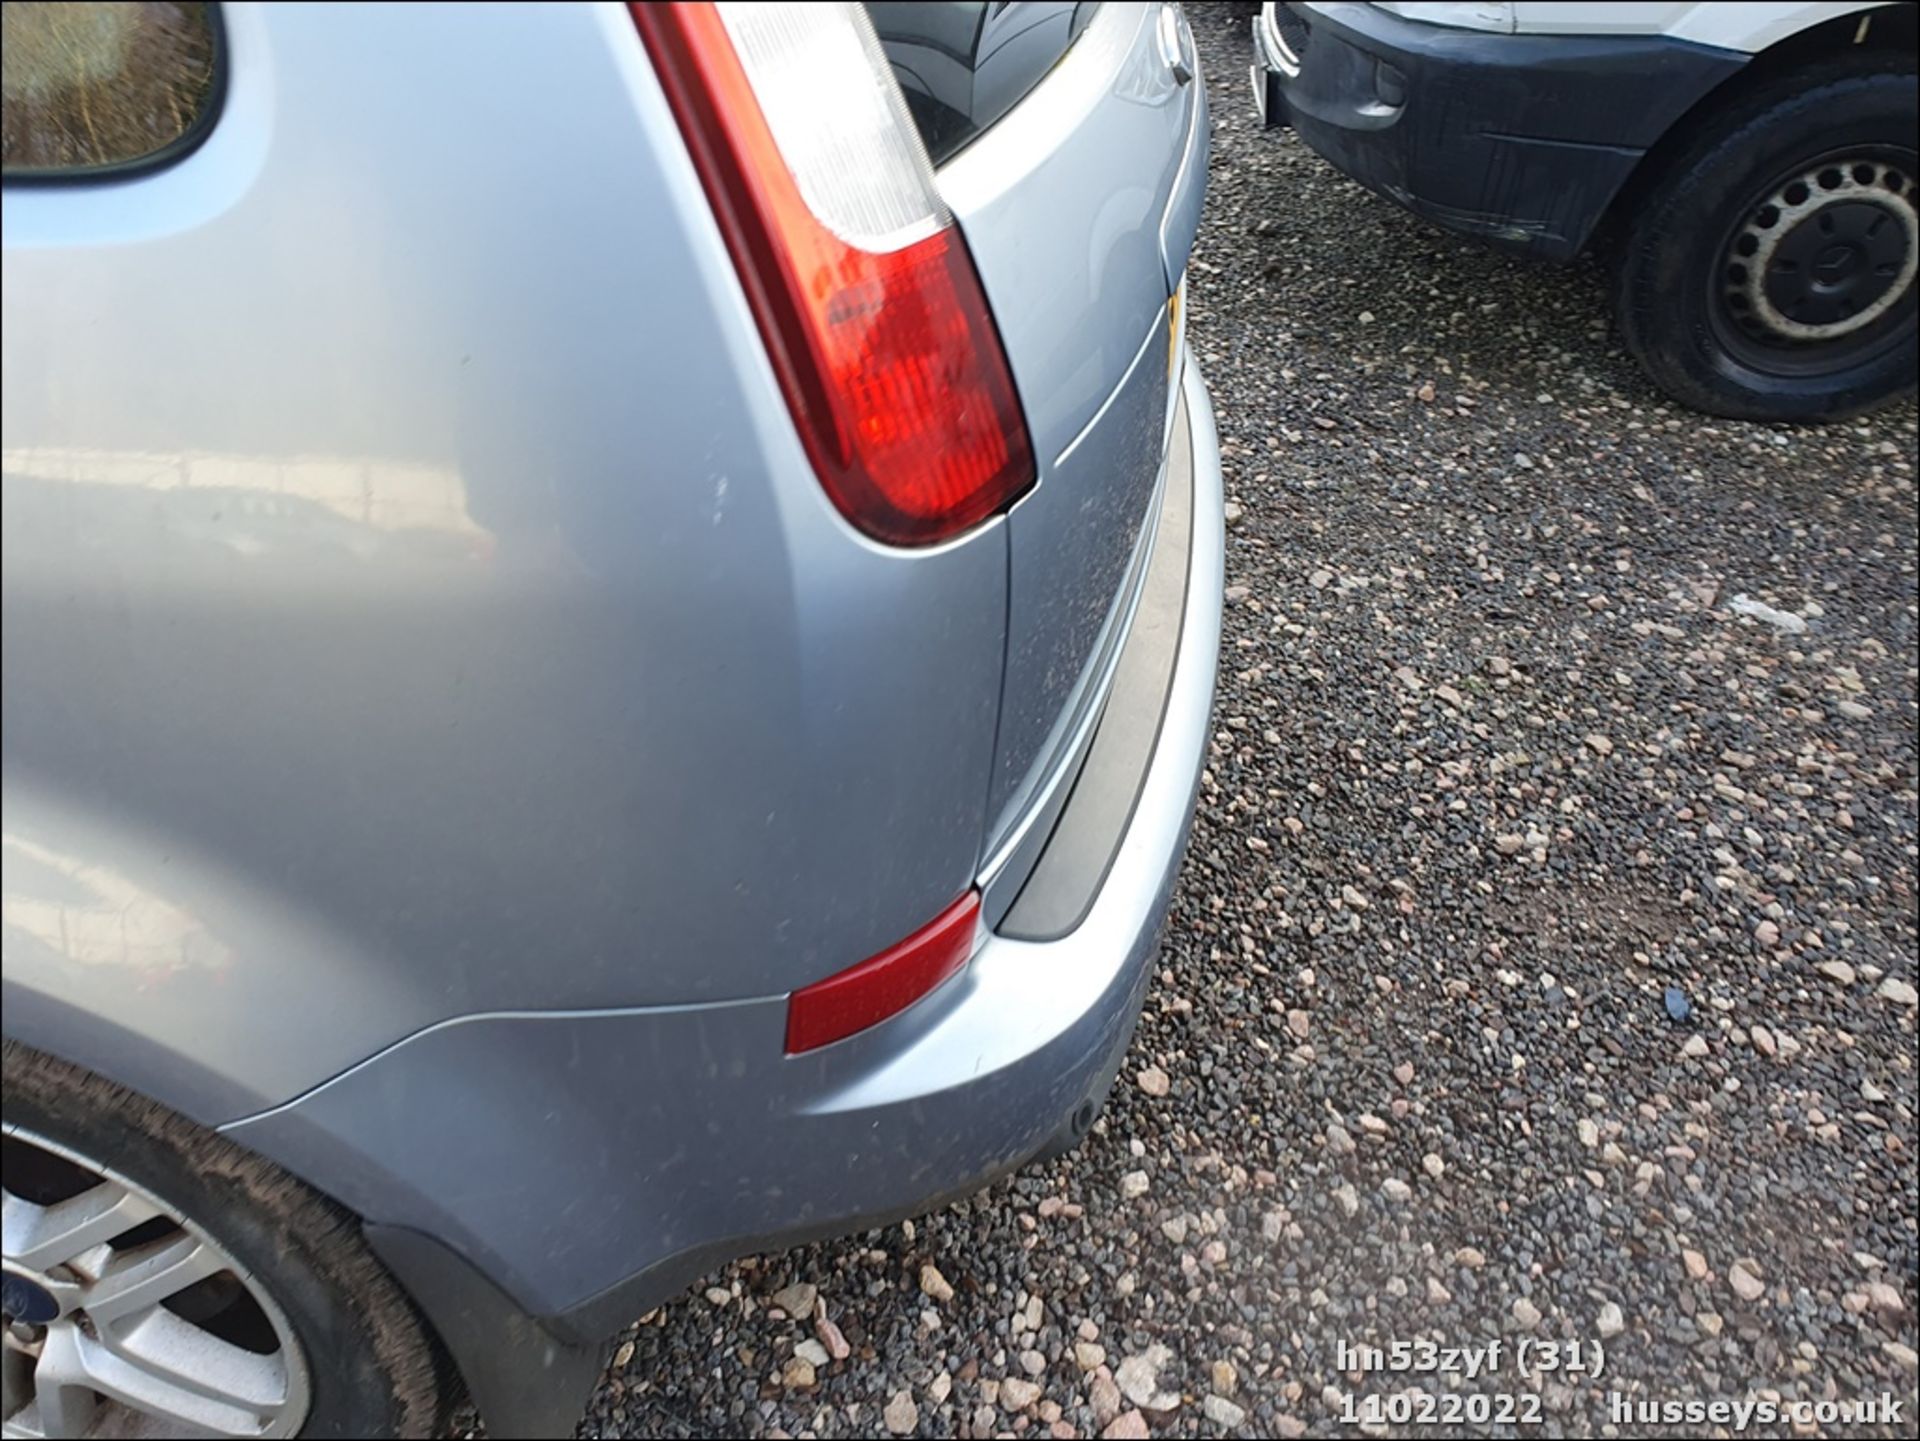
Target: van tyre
[
  {"x": 1769, "y": 272},
  {"x": 271, "y": 1297}
]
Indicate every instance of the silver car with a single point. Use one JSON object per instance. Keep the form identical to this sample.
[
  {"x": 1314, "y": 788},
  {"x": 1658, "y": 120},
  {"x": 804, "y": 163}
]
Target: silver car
[{"x": 609, "y": 623}]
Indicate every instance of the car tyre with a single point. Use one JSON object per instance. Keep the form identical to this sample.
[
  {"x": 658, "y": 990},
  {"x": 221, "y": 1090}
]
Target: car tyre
[
  {"x": 366, "y": 1364},
  {"x": 1812, "y": 177}
]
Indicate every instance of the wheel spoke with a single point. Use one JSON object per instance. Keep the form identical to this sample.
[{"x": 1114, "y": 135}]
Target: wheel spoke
[
  {"x": 43, "y": 1236},
  {"x": 179, "y": 1356},
  {"x": 16, "y": 1377},
  {"x": 63, "y": 1392},
  {"x": 146, "y": 1277},
  {"x": 228, "y": 1392}
]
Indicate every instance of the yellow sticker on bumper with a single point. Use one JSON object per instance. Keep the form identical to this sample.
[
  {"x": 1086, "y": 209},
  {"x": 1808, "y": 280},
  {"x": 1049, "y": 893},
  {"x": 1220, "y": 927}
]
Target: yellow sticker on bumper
[{"x": 1173, "y": 325}]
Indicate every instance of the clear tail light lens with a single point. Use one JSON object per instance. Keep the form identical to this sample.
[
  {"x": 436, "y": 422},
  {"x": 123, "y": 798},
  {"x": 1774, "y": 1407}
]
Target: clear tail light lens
[{"x": 860, "y": 282}]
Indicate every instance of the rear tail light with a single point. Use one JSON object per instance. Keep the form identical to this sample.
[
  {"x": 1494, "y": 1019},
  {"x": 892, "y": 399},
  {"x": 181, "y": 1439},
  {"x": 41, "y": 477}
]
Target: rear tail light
[
  {"x": 883, "y": 985},
  {"x": 861, "y": 284}
]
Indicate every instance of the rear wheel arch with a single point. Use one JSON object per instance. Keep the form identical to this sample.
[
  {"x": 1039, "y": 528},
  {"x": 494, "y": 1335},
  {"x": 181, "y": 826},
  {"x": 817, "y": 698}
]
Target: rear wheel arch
[
  {"x": 372, "y": 1363},
  {"x": 140, "y": 951}
]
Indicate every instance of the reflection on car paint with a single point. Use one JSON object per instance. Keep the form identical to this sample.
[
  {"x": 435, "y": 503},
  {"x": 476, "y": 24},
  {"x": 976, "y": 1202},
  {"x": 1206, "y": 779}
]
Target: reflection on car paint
[
  {"x": 94, "y": 916},
  {"x": 380, "y": 495}
]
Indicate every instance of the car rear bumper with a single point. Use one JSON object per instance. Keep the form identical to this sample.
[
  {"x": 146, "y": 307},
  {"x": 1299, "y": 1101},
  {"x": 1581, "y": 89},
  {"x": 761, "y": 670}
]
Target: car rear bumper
[
  {"x": 1519, "y": 140},
  {"x": 591, "y": 1164}
]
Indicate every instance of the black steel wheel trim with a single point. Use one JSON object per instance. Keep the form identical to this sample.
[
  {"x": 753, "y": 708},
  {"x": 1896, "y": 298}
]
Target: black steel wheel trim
[{"x": 1818, "y": 271}]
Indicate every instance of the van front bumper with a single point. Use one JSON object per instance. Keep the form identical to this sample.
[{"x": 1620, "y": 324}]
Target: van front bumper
[{"x": 1522, "y": 141}]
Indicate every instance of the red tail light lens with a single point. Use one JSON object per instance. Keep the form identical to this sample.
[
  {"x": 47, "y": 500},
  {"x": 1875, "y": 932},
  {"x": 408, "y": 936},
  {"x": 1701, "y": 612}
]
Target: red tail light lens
[
  {"x": 883, "y": 985},
  {"x": 885, "y": 348}
]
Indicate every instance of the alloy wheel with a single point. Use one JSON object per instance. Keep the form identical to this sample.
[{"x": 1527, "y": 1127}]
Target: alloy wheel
[{"x": 124, "y": 1318}]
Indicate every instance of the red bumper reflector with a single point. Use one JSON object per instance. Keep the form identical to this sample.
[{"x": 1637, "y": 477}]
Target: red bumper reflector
[{"x": 884, "y": 985}]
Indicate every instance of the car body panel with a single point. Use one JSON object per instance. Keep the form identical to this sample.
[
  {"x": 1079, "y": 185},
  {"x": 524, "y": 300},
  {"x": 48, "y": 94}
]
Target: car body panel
[
  {"x": 1747, "y": 27},
  {"x": 362, "y": 611},
  {"x": 626, "y": 1150},
  {"x": 1067, "y": 205},
  {"x": 445, "y": 718}
]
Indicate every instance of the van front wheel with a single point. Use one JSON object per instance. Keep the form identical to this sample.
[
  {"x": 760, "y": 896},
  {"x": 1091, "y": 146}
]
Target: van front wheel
[{"x": 1770, "y": 271}]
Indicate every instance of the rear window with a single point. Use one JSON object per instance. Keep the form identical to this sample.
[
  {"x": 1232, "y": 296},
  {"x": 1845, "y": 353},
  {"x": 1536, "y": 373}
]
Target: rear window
[
  {"x": 963, "y": 66},
  {"x": 89, "y": 90}
]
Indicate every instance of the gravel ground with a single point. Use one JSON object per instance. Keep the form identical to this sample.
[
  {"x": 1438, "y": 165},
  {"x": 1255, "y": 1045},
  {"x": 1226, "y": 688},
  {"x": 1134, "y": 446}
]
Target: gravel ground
[{"x": 1501, "y": 774}]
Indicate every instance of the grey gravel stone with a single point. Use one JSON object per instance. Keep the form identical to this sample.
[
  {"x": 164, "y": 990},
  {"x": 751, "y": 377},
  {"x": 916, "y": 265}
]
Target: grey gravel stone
[
  {"x": 1780, "y": 619},
  {"x": 1104, "y": 1400},
  {"x": 797, "y": 1299},
  {"x": 933, "y": 1284},
  {"x": 1017, "y": 1394},
  {"x": 1223, "y": 1413},
  {"x": 1139, "y": 1376},
  {"x": 901, "y": 1415}
]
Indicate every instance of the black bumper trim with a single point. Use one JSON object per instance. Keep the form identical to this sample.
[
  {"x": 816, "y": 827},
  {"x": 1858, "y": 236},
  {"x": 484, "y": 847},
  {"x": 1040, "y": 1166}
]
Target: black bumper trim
[
  {"x": 1071, "y": 869},
  {"x": 522, "y": 1378},
  {"x": 1520, "y": 140}
]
